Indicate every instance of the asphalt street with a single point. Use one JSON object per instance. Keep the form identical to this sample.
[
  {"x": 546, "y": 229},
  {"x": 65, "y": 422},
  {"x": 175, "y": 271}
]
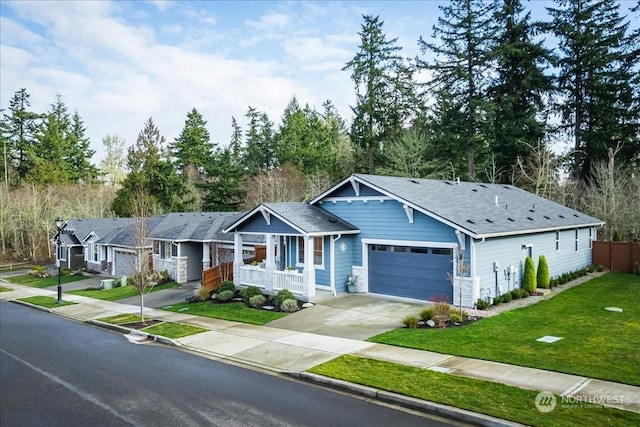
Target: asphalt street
[{"x": 55, "y": 372}]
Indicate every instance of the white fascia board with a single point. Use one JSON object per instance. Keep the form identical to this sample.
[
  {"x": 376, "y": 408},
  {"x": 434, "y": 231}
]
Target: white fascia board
[
  {"x": 242, "y": 219},
  {"x": 539, "y": 230},
  {"x": 364, "y": 199},
  {"x": 332, "y": 188},
  {"x": 332, "y": 233}
]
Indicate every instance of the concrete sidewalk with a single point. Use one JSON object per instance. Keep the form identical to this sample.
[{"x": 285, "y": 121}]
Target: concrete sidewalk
[{"x": 289, "y": 351}]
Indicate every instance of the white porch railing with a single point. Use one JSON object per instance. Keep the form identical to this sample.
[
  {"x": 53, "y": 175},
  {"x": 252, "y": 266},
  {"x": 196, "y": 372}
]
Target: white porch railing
[
  {"x": 290, "y": 280},
  {"x": 252, "y": 276}
]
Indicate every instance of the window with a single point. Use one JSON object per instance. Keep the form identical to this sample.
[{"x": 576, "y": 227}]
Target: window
[
  {"x": 419, "y": 250},
  {"x": 318, "y": 252},
  {"x": 399, "y": 249},
  {"x": 156, "y": 247},
  {"x": 174, "y": 249},
  {"x": 165, "y": 250},
  {"x": 62, "y": 253},
  {"x": 590, "y": 238},
  {"x": 576, "y": 239},
  {"x": 441, "y": 251},
  {"x": 95, "y": 252},
  {"x": 557, "y": 240}
]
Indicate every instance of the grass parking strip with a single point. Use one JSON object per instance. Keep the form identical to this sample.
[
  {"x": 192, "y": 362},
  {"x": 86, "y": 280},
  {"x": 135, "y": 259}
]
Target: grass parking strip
[
  {"x": 47, "y": 302},
  {"x": 173, "y": 330},
  {"x": 119, "y": 319},
  {"x": 595, "y": 342},
  {"x": 234, "y": 311},
  {"x": 5, "y": 289},
  {"x": 497, "y": 400}
]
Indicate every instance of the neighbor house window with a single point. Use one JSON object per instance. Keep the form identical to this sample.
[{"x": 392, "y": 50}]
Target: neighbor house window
[
  {"x": 95, "y": 252},
  {"x": 165, "y": 250},
  {"x": 62, "y": 253},
  {"x": 156, "y": 247},
  {"x": 576, "y": 239},
  {"x": 557, "y": 240},
  {"x": 174, "y": 249},
  {"x": 590, "y": 238},
  {"x": 317, "y": 250}
]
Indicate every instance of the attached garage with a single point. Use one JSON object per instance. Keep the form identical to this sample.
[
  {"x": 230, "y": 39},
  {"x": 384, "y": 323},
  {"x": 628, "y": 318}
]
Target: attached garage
[
  {"x": 124, "y": 263},
  {"x": 411, "y": 272}
]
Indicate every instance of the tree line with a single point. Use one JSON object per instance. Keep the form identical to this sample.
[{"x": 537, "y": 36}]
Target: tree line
[{"x": 486, "y": 100}]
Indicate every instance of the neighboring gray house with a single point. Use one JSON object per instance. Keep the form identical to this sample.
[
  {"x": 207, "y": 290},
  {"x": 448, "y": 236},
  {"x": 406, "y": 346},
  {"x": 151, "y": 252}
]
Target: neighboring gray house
[
  {"x": 400, "y": 237},
  {"x": 79, "y": 241},
  {"x": 185, "y": 244}
]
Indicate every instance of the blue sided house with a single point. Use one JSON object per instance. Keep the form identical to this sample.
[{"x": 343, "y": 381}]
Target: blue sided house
[{"x": 411, "y": 238}]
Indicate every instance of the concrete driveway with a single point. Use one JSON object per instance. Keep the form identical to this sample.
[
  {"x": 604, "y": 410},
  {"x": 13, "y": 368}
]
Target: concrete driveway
[{"x": 353, "y": 316}]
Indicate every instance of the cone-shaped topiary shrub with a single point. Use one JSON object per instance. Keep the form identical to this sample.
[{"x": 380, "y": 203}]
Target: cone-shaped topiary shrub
[
  {"x": 542, "y": 277},
  {"x": 529, "y": 276}
]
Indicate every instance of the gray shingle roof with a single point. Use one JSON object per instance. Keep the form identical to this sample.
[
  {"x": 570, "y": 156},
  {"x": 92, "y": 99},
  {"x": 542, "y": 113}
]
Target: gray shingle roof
[
  {"x": 193, "y": 226},
  {"x": 81, "y": 228},
  {"x": 480, "y": 209},
  {"x": 310, "y": 219}
]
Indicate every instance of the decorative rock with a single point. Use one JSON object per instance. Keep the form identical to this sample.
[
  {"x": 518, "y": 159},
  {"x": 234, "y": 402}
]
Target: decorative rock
[
  {"x": 237, "y": 299},
  {"x": 614, "y": 309},
  {"x": 431, "y": 323},
  {"x": 268, "y": 307},
  {"x": 307, "y": 305},
  {"x": 184, "y": 309}
]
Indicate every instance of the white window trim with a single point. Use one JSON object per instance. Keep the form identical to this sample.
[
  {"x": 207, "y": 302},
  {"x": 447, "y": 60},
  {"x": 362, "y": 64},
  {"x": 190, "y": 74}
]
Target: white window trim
[
  {"x": 300, "y": 263},
  {"x": 577, "y": 239},
  {"x": 557, "y": 240}
]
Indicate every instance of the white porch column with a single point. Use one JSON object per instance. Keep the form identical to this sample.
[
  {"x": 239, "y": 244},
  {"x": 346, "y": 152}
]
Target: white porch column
[
  {"x": 309, "y": 271},
  {"x": 237, "y": 257},
  {"x": 205, "y": 256},
  {"x": 269, "y": 264}
]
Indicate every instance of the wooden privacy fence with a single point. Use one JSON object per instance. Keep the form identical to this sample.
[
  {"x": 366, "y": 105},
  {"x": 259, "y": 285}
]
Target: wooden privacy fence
[
  {"x": 214, "y": 276},
  {"x": 616, "y": 256}
]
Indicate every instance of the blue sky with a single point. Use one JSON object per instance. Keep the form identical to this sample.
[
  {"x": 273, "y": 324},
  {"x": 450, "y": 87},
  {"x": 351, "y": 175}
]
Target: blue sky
[{"x": 118, "y": 63}]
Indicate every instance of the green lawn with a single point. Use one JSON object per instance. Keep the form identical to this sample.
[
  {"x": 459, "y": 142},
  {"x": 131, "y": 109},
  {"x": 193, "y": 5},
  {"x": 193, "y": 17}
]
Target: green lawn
[
  {"x": 119, "y": 293},
  {"x": 493, "y": 399},
  {"x": 48, "y": 302},
  {"x": 173, "y": 330},
  {"x": 37, "y": 282},
  {"x": 235, "y": 311},
  {"x": 595, "y": 343},
  {"x": 5, "y": 289}
]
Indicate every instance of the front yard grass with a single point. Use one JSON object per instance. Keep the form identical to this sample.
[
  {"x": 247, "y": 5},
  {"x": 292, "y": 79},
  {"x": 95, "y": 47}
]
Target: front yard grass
[
  {"x": 173, "y": 330},
  {"x": 488, "y": 398},
  {"x": 119, "y": 293},
  {"x": 39, "y": 282},
  {"x": 5, "y": 289},
  {"x": 235, "y": 311},
  {"x": 595, "y": 343},
  {"x": 48, "y": 302},
  {"x": 120, "y": 318}
]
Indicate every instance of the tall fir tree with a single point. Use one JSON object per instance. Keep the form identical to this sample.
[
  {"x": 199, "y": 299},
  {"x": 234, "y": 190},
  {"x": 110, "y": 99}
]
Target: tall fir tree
[
  {"x": 383, "y": 84},
  {"x": 520, "y": 89},
  {"x": 152, "y": 173},
  {"x": 80, "y": 153},
  {"x": 19, "y": 129},
  {"x": 193, "y": 147},
  {"x": 598, "y": 65},
  {"x": 462, "y": 68}
]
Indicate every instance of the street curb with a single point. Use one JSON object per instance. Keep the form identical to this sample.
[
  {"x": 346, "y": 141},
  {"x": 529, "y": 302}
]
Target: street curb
[
  {"x": 28, "y": 304},
  {"x": 408, "y": 402},
  {"x": 130, "y": 331}
]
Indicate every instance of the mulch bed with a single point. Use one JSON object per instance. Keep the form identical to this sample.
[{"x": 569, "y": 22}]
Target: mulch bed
[{"x": 140, "y": 325}]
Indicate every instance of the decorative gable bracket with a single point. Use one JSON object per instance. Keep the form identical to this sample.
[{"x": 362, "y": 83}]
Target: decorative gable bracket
[
  {"x": 356, "y": 187},
  {"x": 266, "y": 215},
  {"x": 409, "y": 211}
]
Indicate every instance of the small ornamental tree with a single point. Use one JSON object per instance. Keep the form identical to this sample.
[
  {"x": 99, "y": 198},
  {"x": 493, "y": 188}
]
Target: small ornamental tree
[
  {"x": 543, "y": 273},
  {"x": 529, "y": 276}
]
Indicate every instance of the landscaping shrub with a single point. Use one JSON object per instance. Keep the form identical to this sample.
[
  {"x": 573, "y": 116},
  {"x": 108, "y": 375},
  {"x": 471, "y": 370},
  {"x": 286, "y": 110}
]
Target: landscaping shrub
[
  {"x": 507, "y": 297},
  {"x": 519, "y": 293},
  {"x": 227, "y": 285},
  {"x": 65, "y": 271},
  {"x": 225, "y": 296},
  {"x": 482, "y": 304},
  {"x": 441, "y": 311},
  {"x": 410, "y": 321},
  {"x": 289, "y": 305},
  {"x": 497, "y": 300},
  {"x": 283, "y": 295},
  {"x": 455, "y": 317},
  {"x": 427, "y": 314},
  {"x": 203, "y": 294},
  {"x": 529, "y": 276},
  {"x": 257, "y": 301},
  {"x": 542, "y": 277},
  {"x": 250, "y": 291}
]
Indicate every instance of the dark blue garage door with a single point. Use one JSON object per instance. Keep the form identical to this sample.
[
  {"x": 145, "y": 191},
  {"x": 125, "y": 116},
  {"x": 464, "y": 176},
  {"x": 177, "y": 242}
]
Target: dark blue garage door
[{"x": 411, "y": 272}]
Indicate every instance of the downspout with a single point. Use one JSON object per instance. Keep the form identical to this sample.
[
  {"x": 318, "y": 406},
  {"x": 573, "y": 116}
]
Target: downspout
[{"x": 333, "y": 265}]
